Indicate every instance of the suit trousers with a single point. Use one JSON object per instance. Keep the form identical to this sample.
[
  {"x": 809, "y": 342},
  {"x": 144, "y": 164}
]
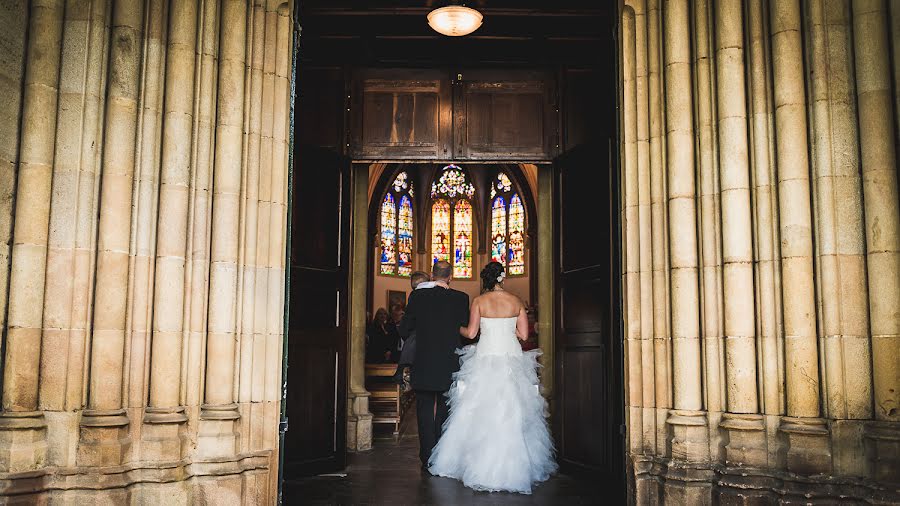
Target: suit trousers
[{"x": 432, "y": 412}]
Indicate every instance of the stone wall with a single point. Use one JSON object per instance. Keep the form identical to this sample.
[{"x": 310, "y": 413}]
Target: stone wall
[
  {"x": 761, "y": 223},
  {"x": 144, "y": 160}
]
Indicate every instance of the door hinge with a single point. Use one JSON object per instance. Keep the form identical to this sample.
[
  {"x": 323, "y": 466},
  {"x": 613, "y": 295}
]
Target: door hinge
[{"x": 283, "y": 426}]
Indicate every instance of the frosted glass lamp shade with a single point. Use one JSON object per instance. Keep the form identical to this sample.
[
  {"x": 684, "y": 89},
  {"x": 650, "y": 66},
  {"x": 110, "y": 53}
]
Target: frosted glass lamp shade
[{"x": 455, "y": 20}]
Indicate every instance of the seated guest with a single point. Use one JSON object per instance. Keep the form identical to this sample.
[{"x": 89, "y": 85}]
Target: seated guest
[
  {"x": 394, "y": 341},
  {"x": 378, "y": 349},
  {"x": 417, "y": 280}
]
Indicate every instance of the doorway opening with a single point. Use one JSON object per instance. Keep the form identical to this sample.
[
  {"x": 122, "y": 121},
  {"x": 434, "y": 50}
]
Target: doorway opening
[{"x": 372, "y": 106}]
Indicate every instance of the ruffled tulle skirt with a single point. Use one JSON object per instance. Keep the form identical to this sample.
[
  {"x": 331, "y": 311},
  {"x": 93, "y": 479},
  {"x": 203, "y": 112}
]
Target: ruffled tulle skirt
[{"x": 496, "y": 437}]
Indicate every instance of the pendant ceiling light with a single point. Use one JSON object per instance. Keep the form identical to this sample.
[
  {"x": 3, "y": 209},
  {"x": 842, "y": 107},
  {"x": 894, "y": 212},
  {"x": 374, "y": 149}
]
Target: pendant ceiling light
[{"x": 455, "y": 20}]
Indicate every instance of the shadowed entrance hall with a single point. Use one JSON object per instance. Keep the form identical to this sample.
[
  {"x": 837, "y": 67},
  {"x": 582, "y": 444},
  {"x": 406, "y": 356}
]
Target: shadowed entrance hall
[{"x": 389, "y": 474}]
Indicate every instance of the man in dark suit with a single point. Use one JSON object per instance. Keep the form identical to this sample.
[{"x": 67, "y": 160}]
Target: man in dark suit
[{"x": 435, "y": 316}]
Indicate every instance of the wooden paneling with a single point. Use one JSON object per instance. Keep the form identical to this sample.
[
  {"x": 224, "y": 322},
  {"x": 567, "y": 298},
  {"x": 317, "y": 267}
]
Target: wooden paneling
[
  {"x": 504, "y": 116},
  {"x": 401, "y": 115},
  {"x": 319, "y": 258}
]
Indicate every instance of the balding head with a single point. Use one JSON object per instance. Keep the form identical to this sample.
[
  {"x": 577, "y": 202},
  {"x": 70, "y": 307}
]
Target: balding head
[{"x": 441, "y": 271}]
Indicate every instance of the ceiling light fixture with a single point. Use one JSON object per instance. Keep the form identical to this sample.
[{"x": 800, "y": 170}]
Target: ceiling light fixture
[{"x": 455, "y": 20}]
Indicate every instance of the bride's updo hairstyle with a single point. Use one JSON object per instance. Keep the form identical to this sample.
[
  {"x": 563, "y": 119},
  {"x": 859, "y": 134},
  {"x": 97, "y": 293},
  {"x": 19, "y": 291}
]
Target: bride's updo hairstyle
[{"x": 492, "y": 275}]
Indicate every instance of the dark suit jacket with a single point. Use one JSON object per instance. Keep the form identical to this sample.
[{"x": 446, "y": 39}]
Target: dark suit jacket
[{"x": 435, "y": 316}]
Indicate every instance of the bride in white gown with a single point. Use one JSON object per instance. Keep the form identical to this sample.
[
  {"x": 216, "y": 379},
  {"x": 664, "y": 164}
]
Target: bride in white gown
[{"x": 496, "y": 437}]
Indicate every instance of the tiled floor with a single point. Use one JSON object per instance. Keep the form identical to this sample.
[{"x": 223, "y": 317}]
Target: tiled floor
[{"x": 389, "y": 474}]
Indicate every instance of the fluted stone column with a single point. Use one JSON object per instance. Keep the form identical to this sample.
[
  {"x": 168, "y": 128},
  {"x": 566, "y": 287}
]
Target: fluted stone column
[
  {"x": 545, "y": 268},
  {"x": 882, "y": 211},
  {"x": 359, "y": 418},
  {"x": 22, "y": 444},
  {"x": 165, "y": 413},
  {"x": 688, "y": 422},
  {"x": 709, "y": 218},
  {"x": 219, "y": 406},
  {"x": 631, "y": 236},
  {"x": 661, "y": 343},
  {"x": 839, "y": 226},
  {"x": 102, "y": 424},
  {"x": 807, "y": 445},
  {"x": 746, "y": 442}
]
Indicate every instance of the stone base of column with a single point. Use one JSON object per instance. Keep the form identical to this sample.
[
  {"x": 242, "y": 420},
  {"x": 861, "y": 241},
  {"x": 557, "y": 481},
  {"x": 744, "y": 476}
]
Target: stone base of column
[
  {"x": 218, "y": 435},
  {"x": 359, "y": 422},
  {"x": 23, "y": 441},
  {"x": 689, "y": 435},
  {"x": 162, "y": 436},
  {"x": 883, "y": 445},
  {"x": 808, "y": 445},
  {"x": 103, "y": 437},
  {"x": 745, "y": 437}
]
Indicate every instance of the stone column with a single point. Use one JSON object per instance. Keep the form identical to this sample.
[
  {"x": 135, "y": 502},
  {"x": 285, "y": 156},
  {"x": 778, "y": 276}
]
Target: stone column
[
  {"x": 545, "y": 273},
  {"x": 165, "y": 414},
  {"x": 197, "y": 262},
  {"x": 688, "y": 422},
  {"x": 22, "y": 436},
  {"x": 645, "y": 261},
  {"x": 359, "y": 419},
  {"x": 146, "y": 190},
  {"x": 882, "y": 204},
  {"x": 840, "y": 234},
  {"x": 658, "y": 225},
  {"x": 219, "y": 408},
  {"x": 765, "y": 204},
  {"x": 746, "y": 442},
  {"x": 807, "y": 436},
  {"x": 630, "y": 233},
  {"x": 882, "y": 218},
  {"x": 710, "y": 234},
  {"x": 103, "y": 436}
]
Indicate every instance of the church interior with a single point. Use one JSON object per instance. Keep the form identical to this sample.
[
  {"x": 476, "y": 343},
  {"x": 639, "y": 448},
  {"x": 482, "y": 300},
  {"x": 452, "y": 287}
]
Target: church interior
[{"x": 209, "y": 207}]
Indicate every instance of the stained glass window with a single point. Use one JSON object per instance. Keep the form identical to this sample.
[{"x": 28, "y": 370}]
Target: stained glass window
[
  {"x": 452, "y": 222},
  {"x": 507, "y": 226},
  {"x": 404, "y": 237},
  {"x": 440, "y": 230},
  {"x": 388, "y": 235},
  {"x": 516, "y": 236},
  {"x": 462, "y": 244},
  {"x": 498, "y": 230},
  {"x": 397, "y": 228}
]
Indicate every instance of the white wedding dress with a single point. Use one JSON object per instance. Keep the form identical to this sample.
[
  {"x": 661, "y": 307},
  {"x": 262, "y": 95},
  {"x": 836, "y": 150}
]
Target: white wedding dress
[{"x": 496, "y": 436}]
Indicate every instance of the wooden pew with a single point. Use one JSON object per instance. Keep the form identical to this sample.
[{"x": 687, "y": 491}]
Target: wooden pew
[{"x": 387, "y": 401}]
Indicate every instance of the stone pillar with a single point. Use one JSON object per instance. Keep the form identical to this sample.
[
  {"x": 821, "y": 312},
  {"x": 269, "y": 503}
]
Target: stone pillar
[
  {"x": 103, "y": 433},
  {"x": 658, "y": 225},
  {"x": 164, "y": 416},
  {"x": 746, "y": 441},
  {"x": 645, "y": 260},
  {"x": 710, "y": 234},
  {"x": 546, "y": 296},
  {"x": 22, "y": 436},
  {"x": 688, "y": 422},
  {"x": 839, "y": 217},
  {"x": 808, "y": 450},
  {"x": 219, "y": 410},
  {"x": 882, "y": 217},
  {"x": 631, "y": 237},
  {"x": 882, "y": 204},
  {"x": 765, "y": 202},
  {"x": 359, "y": 419}
]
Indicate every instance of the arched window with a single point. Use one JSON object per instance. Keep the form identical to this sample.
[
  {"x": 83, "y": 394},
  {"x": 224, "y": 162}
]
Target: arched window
[
  {"x": 507, "y": 226},
  {"x": 452, "y": 227},
  {"x": 397, "y": 228}
]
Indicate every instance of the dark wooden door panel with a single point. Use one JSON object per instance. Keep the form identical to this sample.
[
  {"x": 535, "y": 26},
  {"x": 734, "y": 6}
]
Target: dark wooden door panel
[
  {"x": 317, "y": 316},
  {"x": 505, "y": 115},
  {"x": 584, "y": 417},
  {"x": 401, "y": 114}
]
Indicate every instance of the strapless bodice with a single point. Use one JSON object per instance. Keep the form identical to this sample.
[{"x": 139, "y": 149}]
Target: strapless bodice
[{"x": 498, "y": 337}]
